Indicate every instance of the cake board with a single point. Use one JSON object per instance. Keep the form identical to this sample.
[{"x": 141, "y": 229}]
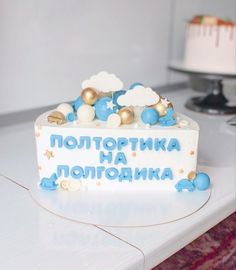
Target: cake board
[{"x": 121, "y": 209}]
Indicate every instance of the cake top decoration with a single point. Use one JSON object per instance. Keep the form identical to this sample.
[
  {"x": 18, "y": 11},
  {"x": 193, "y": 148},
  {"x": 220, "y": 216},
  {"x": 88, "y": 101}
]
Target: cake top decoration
[
  {"x": 211, "y": 20},
  {"x": 139, "y": 96},
  {"x": 103, "y": 82},
  {"x": 103, "y": 98}
]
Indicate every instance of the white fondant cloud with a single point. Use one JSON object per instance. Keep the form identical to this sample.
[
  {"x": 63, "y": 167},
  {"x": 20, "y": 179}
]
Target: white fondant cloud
[
  {"x": 103, "y": 82},
  {"x": 139, "y": 96}
]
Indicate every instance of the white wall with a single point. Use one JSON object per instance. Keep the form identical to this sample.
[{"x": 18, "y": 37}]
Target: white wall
[{"x": 47, "y": 47}]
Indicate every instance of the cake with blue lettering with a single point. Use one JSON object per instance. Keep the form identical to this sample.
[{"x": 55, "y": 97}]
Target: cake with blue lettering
[{"x": 110, "y": 138}]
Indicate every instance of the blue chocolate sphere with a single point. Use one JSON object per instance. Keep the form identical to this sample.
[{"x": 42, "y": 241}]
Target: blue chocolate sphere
[
  {"x": 133, "y": 85},
  {"x": 115, "y": 96},
  {"x": 150, "y": 116},
  {"x": 102, "y": 110},
  {"x": 70, "y": 117},
  {"x": 77, "y": 103},
  {"x": 202, "y": 181}
]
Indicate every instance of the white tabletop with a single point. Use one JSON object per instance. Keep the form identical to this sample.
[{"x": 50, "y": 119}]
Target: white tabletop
[{"x": 31, "y": 236}]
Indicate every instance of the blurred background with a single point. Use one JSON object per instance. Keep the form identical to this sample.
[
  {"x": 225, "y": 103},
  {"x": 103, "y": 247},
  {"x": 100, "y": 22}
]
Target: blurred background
[{"x": 48, "y": 47}]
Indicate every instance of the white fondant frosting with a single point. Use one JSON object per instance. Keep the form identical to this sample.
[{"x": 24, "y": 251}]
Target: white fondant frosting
[
  {"x": 72, "y": 149},
  {"x": 211, "y": 48}
]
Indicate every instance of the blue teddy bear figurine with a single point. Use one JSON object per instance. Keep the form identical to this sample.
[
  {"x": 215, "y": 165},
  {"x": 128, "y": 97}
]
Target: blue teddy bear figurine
[
  {"x": 49, "y": 183},
  {"x": 185, "y": 184},
  {"x": 168, "y": 119}
]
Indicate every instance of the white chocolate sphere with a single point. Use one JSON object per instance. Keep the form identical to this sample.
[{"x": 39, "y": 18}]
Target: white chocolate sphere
[
  {"x": 85, "y": 113},
  {"x": 64, "y": 108},
  {"x": 113, "y": 120}
]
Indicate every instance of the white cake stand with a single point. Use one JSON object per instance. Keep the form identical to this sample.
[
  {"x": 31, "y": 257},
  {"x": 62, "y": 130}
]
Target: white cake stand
[
  {"x": 214, "y": 102},
  {"x": 114, "y": 209}
]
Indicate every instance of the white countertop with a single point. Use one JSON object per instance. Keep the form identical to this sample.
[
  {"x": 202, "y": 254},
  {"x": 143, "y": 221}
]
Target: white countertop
[{"x": 32, "y": 238}]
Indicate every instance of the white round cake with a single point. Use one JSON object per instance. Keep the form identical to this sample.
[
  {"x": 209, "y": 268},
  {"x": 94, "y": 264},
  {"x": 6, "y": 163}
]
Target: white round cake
[{"x": 210, "y": 45}]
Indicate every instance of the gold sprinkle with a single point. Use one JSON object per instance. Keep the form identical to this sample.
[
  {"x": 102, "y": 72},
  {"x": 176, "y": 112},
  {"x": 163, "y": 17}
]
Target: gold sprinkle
[
  {"x": 191, "y": 175},
  {"x": 191, "y": 153},
  {"x": 98, "y": 183},
  {"x": 39, "y": 167},
  {"x": 37, "y": 134},
  {"x": 181, "y": 171},
  {"x": 134, "y": 154},
  {"x": 48, "y": 154}
]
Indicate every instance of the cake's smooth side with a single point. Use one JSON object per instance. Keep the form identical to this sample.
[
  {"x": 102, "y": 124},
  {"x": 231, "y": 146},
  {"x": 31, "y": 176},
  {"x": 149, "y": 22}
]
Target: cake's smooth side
[
  {"x": 210, "y": 48},
  {"x": 61, "y": 160}
]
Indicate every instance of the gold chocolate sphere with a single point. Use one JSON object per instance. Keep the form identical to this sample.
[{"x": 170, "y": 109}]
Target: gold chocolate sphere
[
  {"x": 170, "y": 105},
  {"x": 64, "y": 184},
  {"x": 191, "y": 175},
  {"x": 56, "y": 117},
  {"x": 161, "y": 108},
  {"x": 127, "y": 115},
  {"x": 89, "y": 96}
]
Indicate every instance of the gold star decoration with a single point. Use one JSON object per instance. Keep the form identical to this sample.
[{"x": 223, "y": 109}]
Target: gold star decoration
[{"x": 48, "y": 154}]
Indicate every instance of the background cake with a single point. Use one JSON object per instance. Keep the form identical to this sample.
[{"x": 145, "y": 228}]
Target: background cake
[
  {"x": 210, "y": 45},
  {"x": 113, "y": 139}
]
